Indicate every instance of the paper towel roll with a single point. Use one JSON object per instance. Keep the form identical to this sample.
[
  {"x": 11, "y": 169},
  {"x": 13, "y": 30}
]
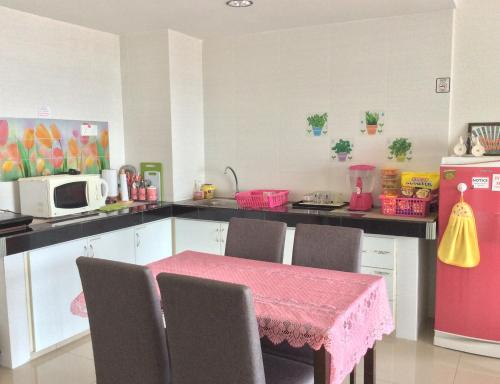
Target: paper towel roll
[
  {"x": 123, "y": 187},
  {"x": 111, "y": 177}
]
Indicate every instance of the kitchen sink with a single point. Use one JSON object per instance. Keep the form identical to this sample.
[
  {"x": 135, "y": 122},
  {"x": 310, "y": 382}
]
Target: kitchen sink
[{"x": 217, "y": 202}]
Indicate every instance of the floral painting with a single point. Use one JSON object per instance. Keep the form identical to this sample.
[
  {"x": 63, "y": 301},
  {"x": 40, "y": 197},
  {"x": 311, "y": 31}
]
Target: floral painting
[{"x": 36, "y": 147}]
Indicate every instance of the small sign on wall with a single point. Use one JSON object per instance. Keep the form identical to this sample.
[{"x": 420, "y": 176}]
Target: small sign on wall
[
  {"x": 443, "y": 85},
  {"x": 44, "y": 112},
  {"x": 88, "y": 130}
]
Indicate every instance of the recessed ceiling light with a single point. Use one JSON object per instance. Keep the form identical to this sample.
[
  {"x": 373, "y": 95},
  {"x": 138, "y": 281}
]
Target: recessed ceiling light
[{"x": 239, "y": 3}]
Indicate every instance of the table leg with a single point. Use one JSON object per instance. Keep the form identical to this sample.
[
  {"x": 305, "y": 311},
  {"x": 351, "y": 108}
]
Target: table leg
[
  {"x": 322, "y": 366},
  {"x": 352, "y": 377},
  {"x": 369, "y": 371}
]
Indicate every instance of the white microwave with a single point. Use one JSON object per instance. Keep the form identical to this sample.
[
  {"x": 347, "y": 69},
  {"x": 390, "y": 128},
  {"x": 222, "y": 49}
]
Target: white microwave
[{"x": 59, "y": 195}]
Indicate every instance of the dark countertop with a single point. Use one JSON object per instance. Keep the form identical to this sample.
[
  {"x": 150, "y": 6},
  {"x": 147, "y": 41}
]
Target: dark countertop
[
  {"x": 43, "y": 233},
  {"x": 371, "y": 222}
]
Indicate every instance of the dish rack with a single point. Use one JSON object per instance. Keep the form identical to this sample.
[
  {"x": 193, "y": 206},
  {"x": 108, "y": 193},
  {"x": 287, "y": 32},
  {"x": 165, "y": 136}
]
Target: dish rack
[
  {"x": 262, "y": 198},
  {"x": 406, "y": 206}
]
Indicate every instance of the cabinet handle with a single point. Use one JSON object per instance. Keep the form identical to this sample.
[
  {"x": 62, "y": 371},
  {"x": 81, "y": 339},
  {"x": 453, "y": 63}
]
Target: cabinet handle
[
  {"x": 217, "y": 235},
  {"x": 138, "y": 240},
  {"x": 92, "y": 249},
  {"x": 382, "y": 273},
  {"x": 382, "y": 252},
  {"x": 85, "y": 251}
]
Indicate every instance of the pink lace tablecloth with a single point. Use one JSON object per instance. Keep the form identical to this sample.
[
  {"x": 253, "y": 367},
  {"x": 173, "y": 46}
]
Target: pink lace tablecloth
[{"x": 345, "y": 312}]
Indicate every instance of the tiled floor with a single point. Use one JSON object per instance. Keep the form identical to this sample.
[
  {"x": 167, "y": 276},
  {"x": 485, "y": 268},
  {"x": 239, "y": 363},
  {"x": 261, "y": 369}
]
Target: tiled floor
[{"x": 398, "y": 362}]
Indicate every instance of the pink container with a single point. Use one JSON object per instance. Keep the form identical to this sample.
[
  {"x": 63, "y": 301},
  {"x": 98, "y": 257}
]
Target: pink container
[
  {"x": 151, "y": 194},
  {"x": 262, "y": 198},
  {"x": 405, "y": 206}
]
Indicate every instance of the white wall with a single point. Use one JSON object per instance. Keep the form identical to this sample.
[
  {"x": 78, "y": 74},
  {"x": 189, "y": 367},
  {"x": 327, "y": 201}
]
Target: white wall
[
  {"x": 146, "y": 102},
  {"x": 73, "y": 70},
  {"x": 186, "y": 95},
  {"x": 163, "y": 106},
  {"x": 260, "y": 88},
  {"x": 476, "y": 65}
]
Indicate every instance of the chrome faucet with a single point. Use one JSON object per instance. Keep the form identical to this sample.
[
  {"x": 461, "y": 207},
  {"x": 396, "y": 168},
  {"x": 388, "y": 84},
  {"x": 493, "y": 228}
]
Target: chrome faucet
[{"x": 235, "y": 177}]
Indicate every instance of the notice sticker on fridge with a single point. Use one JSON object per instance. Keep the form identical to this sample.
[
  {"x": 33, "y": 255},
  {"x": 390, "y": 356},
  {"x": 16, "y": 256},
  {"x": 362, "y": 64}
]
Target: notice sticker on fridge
[
  {"x": 495, "y": 184},
  {"x": 480, "y": 182}
]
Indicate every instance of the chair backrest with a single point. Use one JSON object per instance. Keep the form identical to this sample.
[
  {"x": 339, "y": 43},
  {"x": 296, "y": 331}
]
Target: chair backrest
[
  {"x": 126, "y": 324},
  {"x": 328, "y": 247},
  {"x": 256, "y": 239},
  {"x": 212, "y": 331}
]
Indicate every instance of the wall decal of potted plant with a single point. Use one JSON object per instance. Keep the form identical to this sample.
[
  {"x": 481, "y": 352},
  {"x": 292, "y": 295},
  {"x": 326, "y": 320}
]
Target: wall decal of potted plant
[
  {"x": 400, "y": 148},
  {"x": 317, "y": 123},
  {"x": 341, "y": 150},
  {"x": 371, "y": 119}
]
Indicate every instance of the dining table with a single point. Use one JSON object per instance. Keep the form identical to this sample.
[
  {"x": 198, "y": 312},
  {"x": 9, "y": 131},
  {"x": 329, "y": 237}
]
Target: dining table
[{"x": 339, "y": 315}]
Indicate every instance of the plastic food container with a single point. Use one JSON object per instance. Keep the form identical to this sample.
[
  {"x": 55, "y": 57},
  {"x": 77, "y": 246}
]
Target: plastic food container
[
  {"x": 262, "y": 198},
  {"x": 391, "y": 181}
]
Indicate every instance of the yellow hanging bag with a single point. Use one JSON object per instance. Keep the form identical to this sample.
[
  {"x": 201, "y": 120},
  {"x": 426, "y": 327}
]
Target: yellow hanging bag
[{"x": 459, "y": 245}]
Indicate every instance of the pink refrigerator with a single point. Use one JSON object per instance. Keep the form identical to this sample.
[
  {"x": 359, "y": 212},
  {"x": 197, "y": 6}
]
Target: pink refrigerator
[{"x": 468, "y": 299}]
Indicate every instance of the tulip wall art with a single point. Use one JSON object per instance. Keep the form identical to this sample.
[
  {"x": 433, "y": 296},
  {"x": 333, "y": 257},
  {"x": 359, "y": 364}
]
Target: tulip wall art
[{"x": 36, "y": 147}]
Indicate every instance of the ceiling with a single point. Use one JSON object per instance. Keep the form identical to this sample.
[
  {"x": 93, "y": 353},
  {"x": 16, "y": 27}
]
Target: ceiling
[{"x": 208, "y": 18}]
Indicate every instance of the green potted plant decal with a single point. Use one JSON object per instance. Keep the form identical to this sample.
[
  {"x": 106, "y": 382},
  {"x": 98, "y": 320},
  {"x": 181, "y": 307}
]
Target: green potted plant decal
[
  {"x": 342, "y": 149},
  {"x": 400, "y": 148},
  {"x": 371, "y": 119},
  {"x": 317, "y": 123}
]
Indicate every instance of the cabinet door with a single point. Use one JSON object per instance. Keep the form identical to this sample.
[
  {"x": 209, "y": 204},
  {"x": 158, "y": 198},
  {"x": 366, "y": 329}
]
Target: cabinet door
[
  {"x": 378, "y": 252},
  {"x": 223, "y": 237},
  {"x": 388, "y": 276},
  {"x": 287, "y": 254},
  {"x": 55, "y": 282},
  {"x": 117, "y": 246},
  {"x": 198, "y": 235},
  {"x": 153, "y": 241}
]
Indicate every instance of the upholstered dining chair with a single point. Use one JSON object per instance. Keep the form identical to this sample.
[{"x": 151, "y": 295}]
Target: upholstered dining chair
[
  {"x": 213, "y": 336},
  {"x": 256, "y": 239},
  {"x": 126, "y": 324},
  {"x": 327, "y": 247},
  {"x": 320, "y": 246}
]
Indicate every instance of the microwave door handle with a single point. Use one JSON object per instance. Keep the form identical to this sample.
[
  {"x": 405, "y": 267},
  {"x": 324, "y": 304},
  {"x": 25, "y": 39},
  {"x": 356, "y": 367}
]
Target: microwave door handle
[{"x": 87, "y": 193}]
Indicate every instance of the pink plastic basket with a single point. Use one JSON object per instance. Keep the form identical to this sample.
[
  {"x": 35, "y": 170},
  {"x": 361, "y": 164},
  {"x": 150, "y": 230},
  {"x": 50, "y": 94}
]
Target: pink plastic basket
[
  {"x": 262, "y": 198},
  {"x": 405, "y": 206}
]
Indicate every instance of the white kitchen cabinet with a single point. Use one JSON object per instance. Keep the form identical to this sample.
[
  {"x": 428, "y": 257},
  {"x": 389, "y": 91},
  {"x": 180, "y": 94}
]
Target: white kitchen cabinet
[
  {"x": 388, "y": 276},
  {"x": 116, "y": 246},
  {"x": 200, "y": 236},
  {"x": 223, "y": 236},
  {"x": 378, "y": 252},
  {"x": 153, "y": 241},
  {"x": 287, "y": 253},
  {"x": 55, "y": 282},
  {"x": 379, "y": 258}
]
